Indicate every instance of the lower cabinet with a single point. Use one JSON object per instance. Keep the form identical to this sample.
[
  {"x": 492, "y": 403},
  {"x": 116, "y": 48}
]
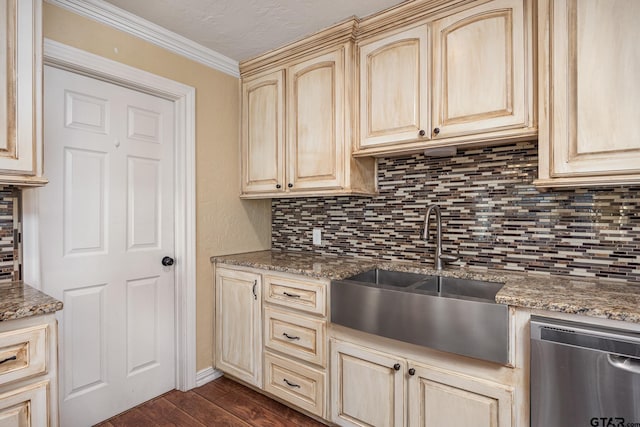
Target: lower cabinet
[
  {"x": 367, "y": 387},
  {"x": 26, "y": 406},
  {"x": 295, "y": 382},
  {"x": 370, "y": 388},
  {"x": 29, "y": 372},
  {"x": 239, "y": 324}
]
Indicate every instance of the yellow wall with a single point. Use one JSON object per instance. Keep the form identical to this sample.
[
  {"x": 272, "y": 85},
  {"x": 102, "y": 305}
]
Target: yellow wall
[{"x": 225, "y": 224}]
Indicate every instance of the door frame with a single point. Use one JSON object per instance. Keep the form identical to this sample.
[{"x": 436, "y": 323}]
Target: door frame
[{"x": 68, "y": 58}]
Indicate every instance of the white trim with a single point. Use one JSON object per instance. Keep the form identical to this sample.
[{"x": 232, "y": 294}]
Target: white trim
[
  {"x": 108, "y": 14},
  {"x": 207, "y": 375},
  {"x": 72, "y": 59}
]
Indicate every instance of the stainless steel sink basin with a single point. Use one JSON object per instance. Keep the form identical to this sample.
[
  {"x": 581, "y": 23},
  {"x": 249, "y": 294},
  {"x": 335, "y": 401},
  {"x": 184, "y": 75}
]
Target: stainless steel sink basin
[
  {"x": 461, "y": 288},
  {"x": 397, "y": 279},
  {"x": 449, "y": 314}
]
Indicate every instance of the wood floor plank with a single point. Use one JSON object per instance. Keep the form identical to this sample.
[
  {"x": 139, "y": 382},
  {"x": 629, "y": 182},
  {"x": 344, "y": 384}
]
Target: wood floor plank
[
  {"x": 215, "y": 389},
  {"x": 203, "y": 410},
  {"x": 220, "y": 403},
  {"x": 132, "y": 418},
  {"x": 297, "y": 418},
  {"x": 245, "y": 408},
  {"x": 162, "y": 413}
]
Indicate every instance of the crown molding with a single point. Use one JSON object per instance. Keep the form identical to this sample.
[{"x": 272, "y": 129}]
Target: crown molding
[{"x": 113, "y": 16}]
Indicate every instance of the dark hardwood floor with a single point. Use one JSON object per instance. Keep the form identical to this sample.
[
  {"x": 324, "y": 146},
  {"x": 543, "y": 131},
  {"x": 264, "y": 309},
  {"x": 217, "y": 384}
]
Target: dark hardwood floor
[{"x": 222, "y": 402}]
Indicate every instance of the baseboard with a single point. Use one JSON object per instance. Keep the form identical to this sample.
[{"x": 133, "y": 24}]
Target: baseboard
[{"x": 207, "y": 375}]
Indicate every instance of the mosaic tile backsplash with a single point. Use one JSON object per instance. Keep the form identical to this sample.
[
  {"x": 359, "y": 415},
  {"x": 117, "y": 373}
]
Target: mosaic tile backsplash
[
  {"x": 492, "y": 216},
  {"x": 10, "y": 252}
]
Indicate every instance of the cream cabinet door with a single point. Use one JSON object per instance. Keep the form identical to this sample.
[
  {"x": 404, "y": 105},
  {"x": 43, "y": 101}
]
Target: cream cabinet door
[
  {"x": 442, "y": 398},
  {"x": 239, "y": 325},
  {"x": 394, "y": 92},
  {"x": 367, "y": 387},
  {"x": 593, "y": 125},
  {"x": 263, "y": 148},
  {"x": 20, "y": 90},
  {"x": 316, "y": 98},
  {"x": 480, "y": 81},
  {"x": 26, "y": 406}
]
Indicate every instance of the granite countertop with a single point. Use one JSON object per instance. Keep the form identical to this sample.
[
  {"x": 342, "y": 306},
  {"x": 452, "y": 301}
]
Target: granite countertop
[
  {"x": 18, "y": 300},
  {"x": 567, "y": 294}
]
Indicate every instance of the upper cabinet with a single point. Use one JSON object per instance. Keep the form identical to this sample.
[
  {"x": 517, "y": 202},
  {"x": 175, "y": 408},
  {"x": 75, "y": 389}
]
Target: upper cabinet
[
  {"x": 589, "y": 63},
  {"x": 21, "y": 92},
  {"x": 297, "y": 120},
  {"x": 454, "y": 78},
  {"x": 394, "y": 88}
]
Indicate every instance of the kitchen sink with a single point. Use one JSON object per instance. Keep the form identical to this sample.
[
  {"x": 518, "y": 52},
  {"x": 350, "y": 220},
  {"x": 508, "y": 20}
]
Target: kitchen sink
[
  {"x": 398, "y": 279},
  {"x": 461, "y": 288},
  {"x": 445, "y": 313}
]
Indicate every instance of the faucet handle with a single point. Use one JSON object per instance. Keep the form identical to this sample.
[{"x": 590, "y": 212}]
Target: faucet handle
[{"x": 447, "y": 258}]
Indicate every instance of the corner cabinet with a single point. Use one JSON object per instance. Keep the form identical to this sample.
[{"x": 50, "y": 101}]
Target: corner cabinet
[
  {"x": 239, "y": 324},
  {"x": 589, "y": 63},
  {"x": 454, "y": 78},
  {"x": 21, "y": 93},
  {"x": 297, "y": 116}
]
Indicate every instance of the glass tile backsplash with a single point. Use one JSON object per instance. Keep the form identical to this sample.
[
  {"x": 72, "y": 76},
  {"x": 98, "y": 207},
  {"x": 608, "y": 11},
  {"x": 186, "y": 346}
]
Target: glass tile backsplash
[{"x": 492, "y": 216}]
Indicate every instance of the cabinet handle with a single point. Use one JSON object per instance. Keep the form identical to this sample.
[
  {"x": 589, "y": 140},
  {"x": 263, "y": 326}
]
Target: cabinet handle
[
  {"x": 291, "y": 295},
  {"x": 8, "y": 359},
  {"x": 290, "y": 185},
  {"x": 278, "y": 186},
  {"x": 253, "y": 290},
  {"x": 422, "y": 132},
  {"x": 291, "y": 384},
  {"x": 290, "y": 337},
  {"x": 412, "y": 372},
  {"x": 436, "y": 131},
  {"x": 396, "y": 366}
]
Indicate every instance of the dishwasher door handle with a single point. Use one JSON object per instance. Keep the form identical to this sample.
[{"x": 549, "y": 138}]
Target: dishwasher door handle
[{"x": 629, "y": 364}]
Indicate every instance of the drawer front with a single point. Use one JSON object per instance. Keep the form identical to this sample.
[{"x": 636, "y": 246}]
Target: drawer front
[
  {"x": 308, "y": 296},
  {"x": 297, "y": 336},
  {"x": 23, "y": 353},
  {"x": 297, "y": 384},
  {"x": 26, "y": 406}
]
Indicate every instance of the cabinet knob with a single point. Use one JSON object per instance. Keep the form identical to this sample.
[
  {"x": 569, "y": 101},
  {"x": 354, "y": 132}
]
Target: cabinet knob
[
  {"x": 396, "y": 366},
  {"x": 412, "y": 372},
  {"x": 422, "y": 132},
  {"x": 289, "y": 185},
  {"x": 436, "y": 131},
  {"x": 278, "y": 186}
]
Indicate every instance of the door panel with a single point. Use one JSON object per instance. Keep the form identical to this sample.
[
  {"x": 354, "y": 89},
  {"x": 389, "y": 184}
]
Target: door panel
[
  {"x": 366, "y": 388},
  {"x": 106, "y": 222},
  {"x": 315, "y": 112},
  {"x": 394, "y": 92},
  {"x": 263, "y": 134},
  {"x": 479, "y": 78},
  {"x": 595, "y": 55}
]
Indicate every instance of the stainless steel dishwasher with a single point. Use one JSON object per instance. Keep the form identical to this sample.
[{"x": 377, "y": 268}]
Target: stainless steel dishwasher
[{"x": 583, "y": 375}]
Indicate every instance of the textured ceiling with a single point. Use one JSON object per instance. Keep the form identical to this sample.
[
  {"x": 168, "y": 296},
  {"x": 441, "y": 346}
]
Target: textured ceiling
[{"x": 241, "y": 29}]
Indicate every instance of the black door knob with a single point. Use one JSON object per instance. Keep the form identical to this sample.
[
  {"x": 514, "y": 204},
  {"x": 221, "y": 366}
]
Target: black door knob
[
  {"x": 289, "y": 185},
  {"x": 412, "y": 371},
  {"x": 436, "y": 131},
  {"x": 422, "y": 132},
  {"x": 167, "y": 261},
  {"x": 396, "y": 366},
  {"x": 278, "y": 186}
]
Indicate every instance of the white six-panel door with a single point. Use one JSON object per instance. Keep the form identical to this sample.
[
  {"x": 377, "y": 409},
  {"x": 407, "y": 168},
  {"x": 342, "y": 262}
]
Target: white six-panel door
[{"x": 106, "y": 222}]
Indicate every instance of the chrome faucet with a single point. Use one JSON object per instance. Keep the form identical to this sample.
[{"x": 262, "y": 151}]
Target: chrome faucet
[{"x": 439, "y": 259}]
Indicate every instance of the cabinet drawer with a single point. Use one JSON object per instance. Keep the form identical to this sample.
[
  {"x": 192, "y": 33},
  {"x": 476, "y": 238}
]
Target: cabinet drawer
[
  {"x": 23, "y": 353},
  {"x": 295, "y": 335},
  {"x": 298, "y": 384},
  {"x": 309, "y": 296},
  {"x": 26, "y": 406}
]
